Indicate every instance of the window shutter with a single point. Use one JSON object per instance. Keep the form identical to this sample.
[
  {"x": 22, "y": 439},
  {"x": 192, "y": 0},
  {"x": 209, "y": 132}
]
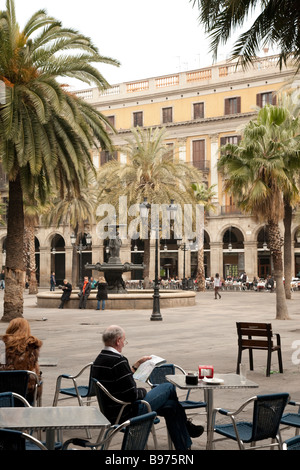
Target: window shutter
[
  {"x": 199, "y": 154},
  {"x": 238, "y": 104},
  {"x": 259, "y": 100},
  {"x": 227, "y": 106}
]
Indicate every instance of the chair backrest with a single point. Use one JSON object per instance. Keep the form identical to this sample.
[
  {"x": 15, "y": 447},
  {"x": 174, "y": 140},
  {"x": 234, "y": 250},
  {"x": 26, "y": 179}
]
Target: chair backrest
[
  {"x": 137, "y": 433},
  {"x": 267, "y": 413},
  {"x": 14, "y": 381},
  {"x": 254, "y": 334},
  {"x": 110, "y": 406},
  {"x": 16, "y": 440},
  {"x": 158, "y": 375},
  {"x": 10, "y": 399}
]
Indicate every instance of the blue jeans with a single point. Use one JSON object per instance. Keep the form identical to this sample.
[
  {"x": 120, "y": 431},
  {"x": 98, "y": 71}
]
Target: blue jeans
[
  {"x": 163, "y": 399},
  {"x": 98, "y": 304}
]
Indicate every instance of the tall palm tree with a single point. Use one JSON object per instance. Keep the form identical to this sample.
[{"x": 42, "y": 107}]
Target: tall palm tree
[
  {"x": 204, "y": 196},
  {"x": 74, "y": 210},
  {"x": 277, "y": 23},
  {"x": 46, "y": 132},
  {"x": 289, "y": 99},
  {"x": 151, "y": 173},
  {"x": 256, "y": 175}
]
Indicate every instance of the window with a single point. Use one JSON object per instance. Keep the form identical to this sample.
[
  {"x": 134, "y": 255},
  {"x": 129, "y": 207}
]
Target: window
[
  {"x": 265, "y": 98},
  {"x": 233, "y": 105},
  {"x": 111, "y": 120},
  {"x": 138, "y": 119},
  {"x": 198, "y": 110},
  {"x": 167, "y": 115},
  {"x": 105, "y": 157},
  {"x": 199, "y": 154},
  {"x": 230, "y": 139}
]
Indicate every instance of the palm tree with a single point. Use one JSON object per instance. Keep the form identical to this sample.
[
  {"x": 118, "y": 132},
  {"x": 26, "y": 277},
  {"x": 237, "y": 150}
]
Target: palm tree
[
  {"x": 46, "y": 132},
  {"x": 276, "y": 24},
  {"x": 151, "y": 173},
  {"x": 74, "y": 209},
  {"x": 289, "y": 99},
  {"x": 204, "y": 196},
  {"x": 256, "y": 175}
]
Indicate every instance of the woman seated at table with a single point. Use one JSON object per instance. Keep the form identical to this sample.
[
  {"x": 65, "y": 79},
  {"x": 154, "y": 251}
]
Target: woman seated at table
[{"x": 22, "y": 352}]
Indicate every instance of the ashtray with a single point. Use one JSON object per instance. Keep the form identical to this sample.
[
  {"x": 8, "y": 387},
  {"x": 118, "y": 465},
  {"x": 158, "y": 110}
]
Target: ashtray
[{"x": 191, "y": 379}]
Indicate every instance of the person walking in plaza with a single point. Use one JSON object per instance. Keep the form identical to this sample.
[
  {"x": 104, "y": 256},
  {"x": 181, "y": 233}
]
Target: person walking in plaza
[
  {"x": 102, "y": 292},
  {"x": 84, "y": 292},
  {"x": 52, "y": 282},
  {"x": 67, "y": 290},
  {"x": 112, "y": 369},
  {"x": 217, "y": 285}
]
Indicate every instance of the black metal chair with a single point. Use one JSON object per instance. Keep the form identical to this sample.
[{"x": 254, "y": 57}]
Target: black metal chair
[
  {"x": 292, "y": 419},
  {"x": 17, "y": 381},
  {"x": 10, "y": 399},
  {"x": 136, "y": 433},
  {"x": 83, "y": 393},
  {"x": 104, "y": 397},
  {"x": 17, "y": 440},
  {"x": 266, "y": 417},
  {"x": 158, "y": 376}
]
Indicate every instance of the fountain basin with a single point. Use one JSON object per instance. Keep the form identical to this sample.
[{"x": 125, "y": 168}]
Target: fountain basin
[{"x": 132, "y": 300}]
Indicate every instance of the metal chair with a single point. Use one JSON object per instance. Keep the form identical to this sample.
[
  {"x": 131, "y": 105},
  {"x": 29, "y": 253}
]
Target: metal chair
[
  {"x": 136, "y": 433},
  {"x": 292, "y": 444},
  {"x": 267, "y": 413},
  {"x": 17, "y": 440},
  {"x": 104, "y": 396},
  {"x": 17, "y": 381},
  {"x": 9, "y": 399},
  {"x": 158, "y": 376},
  {"x": 81, "y": 392},
  {"x": 292, "y": 419}
]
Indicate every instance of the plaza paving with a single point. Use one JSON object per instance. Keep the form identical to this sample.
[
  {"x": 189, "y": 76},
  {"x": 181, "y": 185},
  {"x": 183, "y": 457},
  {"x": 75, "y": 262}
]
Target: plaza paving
[{"x": 200, "y": 334}]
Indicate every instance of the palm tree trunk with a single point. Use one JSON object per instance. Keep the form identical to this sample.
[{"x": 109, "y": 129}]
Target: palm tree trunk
[
  {"x": 287, "y": 247},
  {"x": 201, "y": 270},
  {"x": 275, "y": 247},
  {"x": 14, "y": 269}
]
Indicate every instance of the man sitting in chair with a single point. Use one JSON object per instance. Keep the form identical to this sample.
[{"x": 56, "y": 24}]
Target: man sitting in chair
[{"x": 114, "y": 372}]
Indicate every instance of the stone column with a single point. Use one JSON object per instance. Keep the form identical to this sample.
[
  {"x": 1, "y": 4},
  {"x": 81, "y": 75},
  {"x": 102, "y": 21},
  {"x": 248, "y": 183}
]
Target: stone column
[
  {"x": 250, "y": 259},
  {"x": 216, "y": 258},
  {"x": 45, "y": 266},
  {"x": 68, "y": 261}
]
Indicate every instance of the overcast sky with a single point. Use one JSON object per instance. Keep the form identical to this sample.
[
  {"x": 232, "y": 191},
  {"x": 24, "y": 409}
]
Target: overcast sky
[{"x": 148, "y": 38}]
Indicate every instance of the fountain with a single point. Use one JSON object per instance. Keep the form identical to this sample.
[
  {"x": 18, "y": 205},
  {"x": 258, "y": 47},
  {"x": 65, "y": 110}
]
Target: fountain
[
  {"x": 114, "y": 269},
  {"x": 118, "y": 297}
]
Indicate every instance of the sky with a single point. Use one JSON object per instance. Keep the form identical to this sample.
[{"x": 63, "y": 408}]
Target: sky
[{"x": 148, "y": 38}]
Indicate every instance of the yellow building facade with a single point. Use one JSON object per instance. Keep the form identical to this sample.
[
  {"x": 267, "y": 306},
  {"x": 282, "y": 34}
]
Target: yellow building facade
[{"x": 201, "y": 110}]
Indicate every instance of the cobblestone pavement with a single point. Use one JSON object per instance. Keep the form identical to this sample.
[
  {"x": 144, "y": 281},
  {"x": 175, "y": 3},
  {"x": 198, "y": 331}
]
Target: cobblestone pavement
[{"x": 202, "y": 334}]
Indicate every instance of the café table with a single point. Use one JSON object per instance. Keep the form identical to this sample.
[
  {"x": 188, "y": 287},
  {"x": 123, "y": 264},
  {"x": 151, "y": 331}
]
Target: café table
[
  {"x": 230, "y": 381},
  {"x": 51, "y": 419}
]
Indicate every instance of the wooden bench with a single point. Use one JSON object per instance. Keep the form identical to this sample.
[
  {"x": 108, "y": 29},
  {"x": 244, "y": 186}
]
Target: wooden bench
[{"x": 258, "y": 336}]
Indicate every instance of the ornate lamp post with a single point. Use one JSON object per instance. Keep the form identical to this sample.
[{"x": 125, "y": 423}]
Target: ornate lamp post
[
  {"x": 80, "y": 248},
  {"x": 144, "y": 209},
  {"x": 184, "y": 247}
]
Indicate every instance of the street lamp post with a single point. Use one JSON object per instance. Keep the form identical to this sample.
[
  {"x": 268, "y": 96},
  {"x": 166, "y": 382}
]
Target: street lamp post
[
  {"x": 184, "y": 247},
  {"x": 144, "y": 208},
  {"x": 80, "y": 248}
]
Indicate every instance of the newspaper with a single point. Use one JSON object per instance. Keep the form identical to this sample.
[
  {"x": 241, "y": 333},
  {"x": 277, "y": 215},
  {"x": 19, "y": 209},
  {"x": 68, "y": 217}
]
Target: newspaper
[{"x": 144, "y": 370}]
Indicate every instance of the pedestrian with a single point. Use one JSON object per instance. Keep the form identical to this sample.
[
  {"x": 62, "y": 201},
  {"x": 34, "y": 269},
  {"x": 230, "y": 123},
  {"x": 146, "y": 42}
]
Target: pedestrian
[
  {"x": 84, "y": 292},
  {"x": 217, "y": 285},
  {"x": 67, "y": 290},
  {"x": 52, "y": 282},
  {"x": 102, "y": 292},
  {"x": 2, "y": 279}
]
